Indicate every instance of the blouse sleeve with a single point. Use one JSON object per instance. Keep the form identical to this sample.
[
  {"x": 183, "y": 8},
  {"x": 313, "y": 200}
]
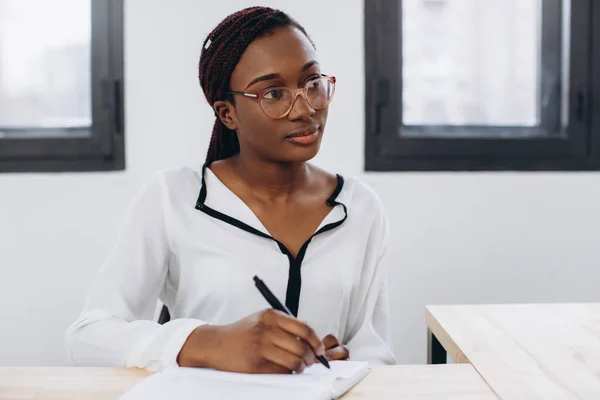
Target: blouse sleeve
[{"x": 115, "y": 327}]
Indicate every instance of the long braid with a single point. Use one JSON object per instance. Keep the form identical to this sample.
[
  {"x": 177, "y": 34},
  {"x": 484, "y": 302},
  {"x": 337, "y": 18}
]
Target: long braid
[{"x": 221, "y": 51}]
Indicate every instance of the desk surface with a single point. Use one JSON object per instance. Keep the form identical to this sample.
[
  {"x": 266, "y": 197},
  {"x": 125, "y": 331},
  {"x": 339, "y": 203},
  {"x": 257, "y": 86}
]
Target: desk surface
[
  {"x": 525, "y": 351},
  {"x": 418, "y": 382}
]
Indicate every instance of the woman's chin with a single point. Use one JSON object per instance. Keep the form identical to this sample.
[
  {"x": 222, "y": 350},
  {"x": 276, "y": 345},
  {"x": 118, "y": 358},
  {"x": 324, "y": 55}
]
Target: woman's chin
[{"x": 300, "y": 155}]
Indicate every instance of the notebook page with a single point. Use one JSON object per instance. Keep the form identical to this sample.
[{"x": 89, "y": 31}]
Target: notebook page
[
  {"x": 163, "y": 387},
  {"x": 342, "y": 376},
  {"x": 313, "y": 374},
  {"x": 339, "y": 369},
  {"x": 316, "y": 382}
]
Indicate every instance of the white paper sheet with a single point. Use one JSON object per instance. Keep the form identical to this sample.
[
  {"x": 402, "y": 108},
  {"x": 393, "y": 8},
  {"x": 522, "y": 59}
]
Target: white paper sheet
[{"x": 316, "y": 382}]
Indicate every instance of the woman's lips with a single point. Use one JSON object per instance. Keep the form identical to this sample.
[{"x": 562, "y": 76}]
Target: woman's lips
[{"x": 306, "y": 138}]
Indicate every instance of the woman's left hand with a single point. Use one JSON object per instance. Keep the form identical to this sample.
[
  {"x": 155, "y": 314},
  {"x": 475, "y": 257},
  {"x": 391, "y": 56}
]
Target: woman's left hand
[{"x": 334, "y": 350}]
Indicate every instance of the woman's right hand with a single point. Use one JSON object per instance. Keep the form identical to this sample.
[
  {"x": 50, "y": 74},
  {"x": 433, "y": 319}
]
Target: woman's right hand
[{"x": 266, "y": 342}]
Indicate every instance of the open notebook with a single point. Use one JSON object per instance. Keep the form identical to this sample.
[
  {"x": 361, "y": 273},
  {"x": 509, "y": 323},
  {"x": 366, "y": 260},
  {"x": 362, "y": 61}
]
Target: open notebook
[{"x": 316, "y": 382}]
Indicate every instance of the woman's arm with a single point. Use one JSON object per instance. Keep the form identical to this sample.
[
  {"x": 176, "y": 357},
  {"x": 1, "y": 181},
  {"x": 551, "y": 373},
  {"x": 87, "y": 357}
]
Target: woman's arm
[
  {"x": 368, "y": 333},
  {"x": 115, "y": 327}
]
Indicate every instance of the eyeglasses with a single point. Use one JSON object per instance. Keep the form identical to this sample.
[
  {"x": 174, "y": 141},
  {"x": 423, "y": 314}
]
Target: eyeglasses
[{"x": 277, "y": 102}]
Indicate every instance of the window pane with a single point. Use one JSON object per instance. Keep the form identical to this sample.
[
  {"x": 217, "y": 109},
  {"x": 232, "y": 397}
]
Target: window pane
[
  {"x": 482, "y": 63},
  {"x": 45, "y": 67}
]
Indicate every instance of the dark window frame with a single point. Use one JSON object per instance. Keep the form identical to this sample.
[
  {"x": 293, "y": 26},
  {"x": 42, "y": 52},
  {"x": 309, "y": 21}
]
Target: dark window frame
[
  {"x": 103, "y": 149},
  {"x": 387, "y": 150}
]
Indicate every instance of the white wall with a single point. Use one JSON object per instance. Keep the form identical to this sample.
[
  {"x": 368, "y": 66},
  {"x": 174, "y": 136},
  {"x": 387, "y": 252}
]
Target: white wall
[{"x": 456, "y": 238}]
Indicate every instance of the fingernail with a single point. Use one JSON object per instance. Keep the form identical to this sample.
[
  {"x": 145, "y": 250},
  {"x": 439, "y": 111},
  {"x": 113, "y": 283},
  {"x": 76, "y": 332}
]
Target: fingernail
[{"x": 321, "y": 350}]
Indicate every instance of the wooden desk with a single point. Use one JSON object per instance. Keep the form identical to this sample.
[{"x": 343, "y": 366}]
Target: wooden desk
[
  {"x": 525, "y": 351},
  {"x": 58, "y": 383},
  {"x": 419, "y": 382},
  {"x": 422, "y": 382}
]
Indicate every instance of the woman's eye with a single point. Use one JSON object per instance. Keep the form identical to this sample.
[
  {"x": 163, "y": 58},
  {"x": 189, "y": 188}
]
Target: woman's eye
[
  {"x": 313, "y": 84},
  {"x": 273, "y": 94},
  {"x": 312, "y": 81}
]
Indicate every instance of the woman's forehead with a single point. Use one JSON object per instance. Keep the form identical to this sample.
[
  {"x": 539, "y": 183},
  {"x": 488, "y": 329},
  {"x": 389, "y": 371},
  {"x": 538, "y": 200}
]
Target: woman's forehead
[{"x": 283, "y": 52}]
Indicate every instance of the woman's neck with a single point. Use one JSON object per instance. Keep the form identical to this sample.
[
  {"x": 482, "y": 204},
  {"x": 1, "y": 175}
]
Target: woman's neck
[{"x": 273, "y": 179}]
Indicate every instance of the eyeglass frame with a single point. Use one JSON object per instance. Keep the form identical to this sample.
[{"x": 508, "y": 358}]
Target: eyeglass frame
[{"x": 295, "y": 93}]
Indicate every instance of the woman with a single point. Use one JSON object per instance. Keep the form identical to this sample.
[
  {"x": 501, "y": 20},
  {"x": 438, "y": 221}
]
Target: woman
[{"x": 195, "y": 239}]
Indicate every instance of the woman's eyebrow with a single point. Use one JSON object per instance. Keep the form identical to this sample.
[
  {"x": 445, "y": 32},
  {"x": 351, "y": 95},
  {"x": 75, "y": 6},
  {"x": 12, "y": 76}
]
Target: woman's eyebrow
[
  {"x": 269, "y": 77},
  {"x": 309, "y": 64},
  {"x": 261, "y": 78}
]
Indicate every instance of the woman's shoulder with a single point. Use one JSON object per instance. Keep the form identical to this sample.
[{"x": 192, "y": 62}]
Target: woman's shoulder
[
  {"x": 351, "y": 187},
  {"x": 356, "y": 193},
  {"x": 360, "y": 193},
  {"x": 167, "y": 185},
  {"x": 177, "y": 179}
]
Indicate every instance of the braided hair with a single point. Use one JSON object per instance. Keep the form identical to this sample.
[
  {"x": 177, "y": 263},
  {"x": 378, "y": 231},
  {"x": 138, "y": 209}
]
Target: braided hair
[{"x": 221, "y": 51}]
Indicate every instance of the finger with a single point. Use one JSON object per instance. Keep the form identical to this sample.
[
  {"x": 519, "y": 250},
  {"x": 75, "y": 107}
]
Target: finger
[
  {"x": 330, "y": 341},
  {"x": 285, "y": 359},
  {"x": 337, "y": 353},
  {"x": 301, "y": 330},
  {"x": 286, "y": 341},
  {"x": 267, "y": 367},
  {"x": 309, "y": 357}
]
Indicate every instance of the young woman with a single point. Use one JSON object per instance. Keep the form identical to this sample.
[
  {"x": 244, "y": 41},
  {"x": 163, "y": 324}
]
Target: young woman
[{"x": 196, "y": 238}]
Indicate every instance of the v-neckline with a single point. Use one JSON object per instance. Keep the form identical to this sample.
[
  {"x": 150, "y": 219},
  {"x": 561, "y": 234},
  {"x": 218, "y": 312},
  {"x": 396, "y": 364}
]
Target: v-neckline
[
  {"x": 241, "y": 210},
  {"x": 248, "y": 216}
]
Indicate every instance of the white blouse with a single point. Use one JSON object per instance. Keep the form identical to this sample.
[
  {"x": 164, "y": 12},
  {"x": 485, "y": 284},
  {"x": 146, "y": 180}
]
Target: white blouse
[{"x": 196, "y": 246}]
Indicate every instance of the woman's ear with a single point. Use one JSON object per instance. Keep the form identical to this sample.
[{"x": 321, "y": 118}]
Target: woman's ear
[{"x": 226, "y": 113}]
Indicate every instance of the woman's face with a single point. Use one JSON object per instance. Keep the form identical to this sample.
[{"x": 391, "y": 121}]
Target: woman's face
[{"x": 284, "y": 58}]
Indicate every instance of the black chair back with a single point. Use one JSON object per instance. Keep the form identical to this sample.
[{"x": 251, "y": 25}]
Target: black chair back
[{"x": 165, "y": 316}]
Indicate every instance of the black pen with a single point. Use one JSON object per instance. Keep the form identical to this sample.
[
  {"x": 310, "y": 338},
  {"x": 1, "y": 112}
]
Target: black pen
[{"x": 276, "y": 304}]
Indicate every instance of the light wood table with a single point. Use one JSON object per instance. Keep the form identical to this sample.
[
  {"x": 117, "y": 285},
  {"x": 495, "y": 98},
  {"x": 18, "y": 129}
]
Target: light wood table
[
  {"x": 57, "y": 383},
  {"x": 419, "y": 382},
  {"x": 525, "y": 351}
]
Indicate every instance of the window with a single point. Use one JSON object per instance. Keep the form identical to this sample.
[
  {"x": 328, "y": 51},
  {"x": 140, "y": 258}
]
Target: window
[
  {"x": 61, "y": 85},
  {"x": 481, "y": 85}
]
